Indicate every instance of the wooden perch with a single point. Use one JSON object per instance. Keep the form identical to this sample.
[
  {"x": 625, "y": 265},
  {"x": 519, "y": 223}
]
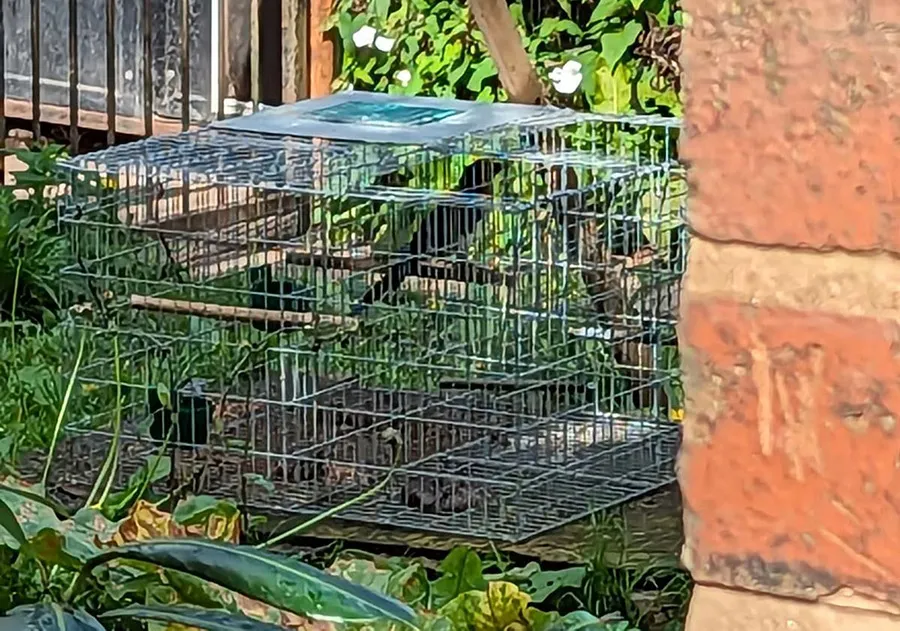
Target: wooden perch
[
  {"x": 517, "y": 74},
  {"x": 244, "y": 314}
]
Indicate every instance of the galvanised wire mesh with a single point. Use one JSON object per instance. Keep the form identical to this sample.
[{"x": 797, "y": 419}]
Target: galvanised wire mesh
[{"x": 481, "y": 324}]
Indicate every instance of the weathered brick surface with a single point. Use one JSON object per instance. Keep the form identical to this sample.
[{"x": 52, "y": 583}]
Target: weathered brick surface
[
  {"x": 790, "y": 467},
  {"x": 716, "y": 609},
  {"x": 793, "y": 128}
]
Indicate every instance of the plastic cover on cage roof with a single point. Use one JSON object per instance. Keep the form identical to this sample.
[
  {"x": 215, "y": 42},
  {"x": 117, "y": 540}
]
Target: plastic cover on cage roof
[{"x": 387, "y": 118}]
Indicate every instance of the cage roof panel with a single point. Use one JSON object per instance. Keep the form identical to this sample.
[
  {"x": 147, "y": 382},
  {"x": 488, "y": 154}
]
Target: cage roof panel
[{"x": 387, "y": 118}]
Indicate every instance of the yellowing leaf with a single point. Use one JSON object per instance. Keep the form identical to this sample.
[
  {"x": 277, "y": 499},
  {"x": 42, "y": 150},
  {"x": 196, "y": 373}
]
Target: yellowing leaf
[{"x": 503, "y": 606}]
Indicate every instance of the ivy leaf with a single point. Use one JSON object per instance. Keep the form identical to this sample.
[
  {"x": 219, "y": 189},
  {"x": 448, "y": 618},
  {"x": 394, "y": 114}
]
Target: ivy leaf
[
  {"x": 613, "y": 45},
  {"x": 566, "y": 6},
  {"x": 486, "y": 95},
  {"x": 457, "y": 73},
  {"x": 551, "y": 26},
  {"x": 484, "y": 69}
]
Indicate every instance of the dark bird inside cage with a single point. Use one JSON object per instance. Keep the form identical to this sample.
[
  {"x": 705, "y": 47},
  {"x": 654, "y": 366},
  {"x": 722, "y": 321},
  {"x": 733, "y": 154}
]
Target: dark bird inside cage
[
  {"x": 595, "y": 241},
  {"x": 434, "y": 496},
  {"x": 271, "y": 294},
  {"x": 442, "y": 230},
  {"x": 190, "y": 410}
]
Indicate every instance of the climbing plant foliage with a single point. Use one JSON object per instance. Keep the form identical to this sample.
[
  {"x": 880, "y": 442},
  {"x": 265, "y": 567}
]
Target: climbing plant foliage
[{"x": 434, "y": 48}]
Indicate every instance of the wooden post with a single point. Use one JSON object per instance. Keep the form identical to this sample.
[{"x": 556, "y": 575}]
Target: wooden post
[
  {"x": 294, "y": 40},
  {"x": 255, "y": 82},
  {"x": 517, "y": 74},
  {"x": 321, "y": 49}
]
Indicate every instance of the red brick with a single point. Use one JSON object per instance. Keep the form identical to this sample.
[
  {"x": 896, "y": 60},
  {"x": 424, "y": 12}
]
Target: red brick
[
  {"x": 790, "y": 467},
  {"x": 792, "y": 125}
]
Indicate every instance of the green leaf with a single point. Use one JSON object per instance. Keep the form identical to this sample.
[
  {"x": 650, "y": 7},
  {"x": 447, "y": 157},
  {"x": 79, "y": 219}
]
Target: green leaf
[
  {"x": 543, "y": 584},
  {"x": 456, "y": 74},
  {"x": 613, "y": 45},
  {"x": 383, "y": 7},
  {"x": 46, "y": 617},
  {"x": 31, "y": 515},
  {"x": 484, "y": 69},
  {"x": 604, "y": 10},
  {"x": 461, "y": 571},
  {"x": 637, "y": 4},
  {"x": 165, "y": 395},
  {"x": 10, "y": 524},
  {"x": 566, "y": 6},
  {"x": 583, "y": 621},
  {"x": 501, "y": 606},
  {"x": 155, "y": 469},
  {"x": 211, "y": 620},
  {"x": 199, "y": 508},
  {"x": 272, "y": 579},
  {"x": 486, "y": 95}
]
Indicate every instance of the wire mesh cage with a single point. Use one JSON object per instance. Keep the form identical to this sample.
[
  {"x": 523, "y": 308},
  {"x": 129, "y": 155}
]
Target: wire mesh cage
[{"x": 476, "y": 329}]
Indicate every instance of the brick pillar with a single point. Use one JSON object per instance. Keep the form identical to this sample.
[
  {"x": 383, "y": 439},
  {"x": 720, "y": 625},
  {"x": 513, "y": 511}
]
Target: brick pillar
[{"x": 790, "y": 467}]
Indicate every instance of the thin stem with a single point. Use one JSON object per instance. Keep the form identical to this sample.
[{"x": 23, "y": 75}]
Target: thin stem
[
  {"x": 331, "y": 512},
  {"x": 107, "y": 473},
  {"x": 62, "y": 412},
  {"x": 15, "y": 300}
]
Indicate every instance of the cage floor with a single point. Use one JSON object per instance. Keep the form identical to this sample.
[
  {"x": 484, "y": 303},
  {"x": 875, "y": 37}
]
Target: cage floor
[{"x": 500, "y": 498}]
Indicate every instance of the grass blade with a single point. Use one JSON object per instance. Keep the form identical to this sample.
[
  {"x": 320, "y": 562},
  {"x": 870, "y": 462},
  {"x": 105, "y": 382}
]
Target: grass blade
[{"x": 62, "y": 411}]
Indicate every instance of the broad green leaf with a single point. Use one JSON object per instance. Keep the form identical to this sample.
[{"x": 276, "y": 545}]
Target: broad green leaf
[
  {"x": 486, "y": 95},
  {"x": 408, "y": 582},
  {"x": 584, "y": 621},
  {"x": 154, "y": 470},
  {"x": 613, "y": 90},
  {"x": 461, "y": 571},
  {"x": 495, "y": 609},
  {"x": 614, "y": 44},
  {"x": 383, "y": 7},
  {"x": 199, "y": 508},
  {"x": 605, "y": 9},
  {"x": 263, "y": 576},
  {"x": 46, "y": 617},
  {"x": 10, "y": 525},
  {"x": 32, "y": 515},
  {"x": 541, "y": 585},
  {"x": 457, "y": 73},
  {"x": 566, "y": 6},
  {"x": 210, "y": 620}
]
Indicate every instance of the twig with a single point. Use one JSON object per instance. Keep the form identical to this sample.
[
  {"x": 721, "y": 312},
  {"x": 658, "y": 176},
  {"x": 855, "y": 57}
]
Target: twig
[{"x": 246, "y": 314}]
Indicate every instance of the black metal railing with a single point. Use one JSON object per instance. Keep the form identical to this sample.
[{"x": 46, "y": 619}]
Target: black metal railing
[{"x": 53, "y": 53}]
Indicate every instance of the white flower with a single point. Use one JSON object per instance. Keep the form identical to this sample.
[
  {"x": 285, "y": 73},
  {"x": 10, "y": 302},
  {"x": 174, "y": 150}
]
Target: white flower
[
  {"x": 384, "y": 44},
  {"x": 567, "y": 78},
  {"x": 572, "y": 67},
  {"x": 364, "y": 37},
  {"x": 404, "y": 77}
]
